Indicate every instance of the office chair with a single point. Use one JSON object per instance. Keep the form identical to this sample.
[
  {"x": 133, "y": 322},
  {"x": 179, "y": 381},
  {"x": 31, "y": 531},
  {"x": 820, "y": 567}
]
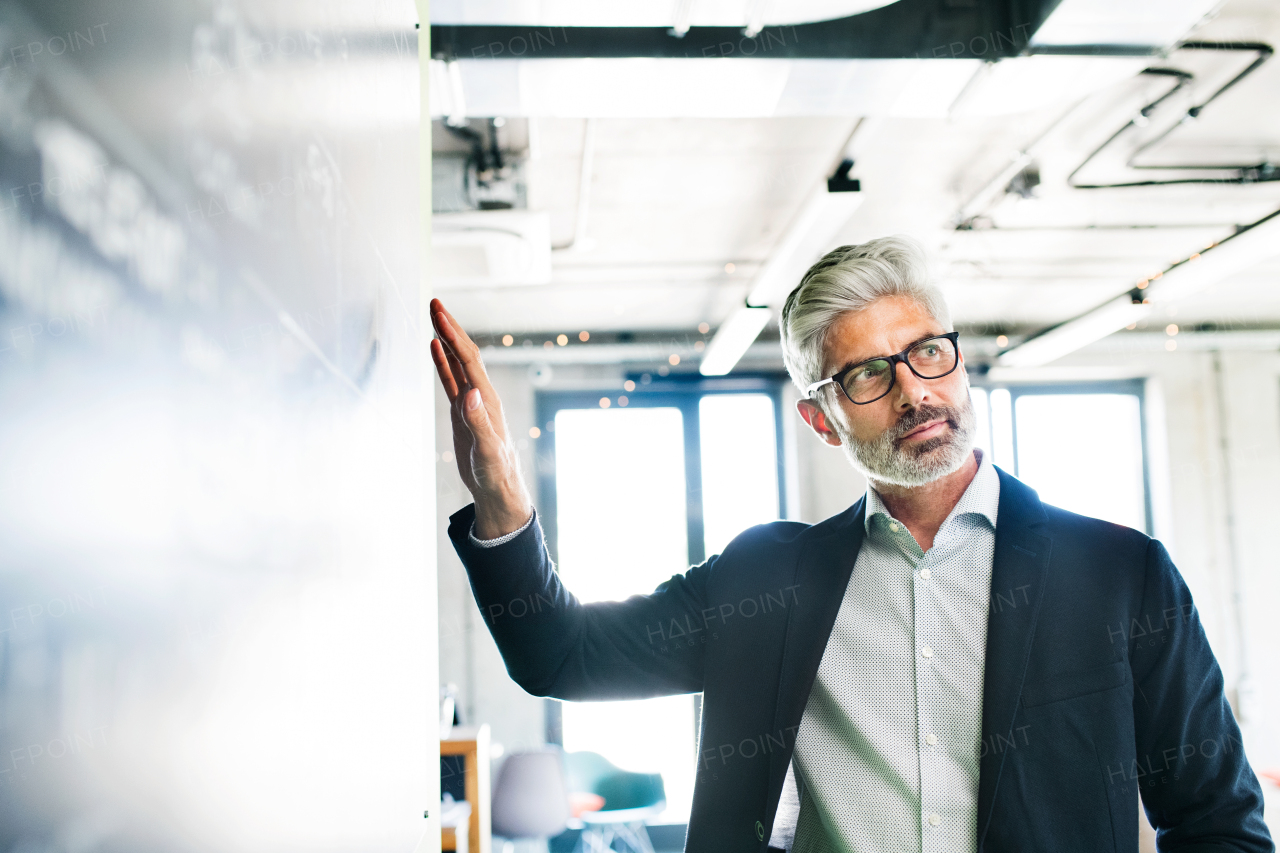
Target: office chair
[
  {"x": 530, "y": 798},
  {"x": 630, "y": 799}
]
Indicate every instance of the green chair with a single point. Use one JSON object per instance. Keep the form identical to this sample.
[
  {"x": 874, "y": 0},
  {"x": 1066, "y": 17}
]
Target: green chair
[{"x": 630, "y": 799}]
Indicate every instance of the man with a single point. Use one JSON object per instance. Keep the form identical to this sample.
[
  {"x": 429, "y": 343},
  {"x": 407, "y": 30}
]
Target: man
[{"x": 948, "y": 665}]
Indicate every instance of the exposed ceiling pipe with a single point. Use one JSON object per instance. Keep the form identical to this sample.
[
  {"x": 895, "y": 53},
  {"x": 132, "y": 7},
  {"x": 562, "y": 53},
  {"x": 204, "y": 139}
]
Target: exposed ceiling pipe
[
  {"x": 1243, "y": 174},
  {"x": 907, "y": 29},
  {"x": 580, "y": 242},
  {"x": 988, "y": 193},
  {"x": 991, "y": 191},
  {"x": 456, "y": 114}
]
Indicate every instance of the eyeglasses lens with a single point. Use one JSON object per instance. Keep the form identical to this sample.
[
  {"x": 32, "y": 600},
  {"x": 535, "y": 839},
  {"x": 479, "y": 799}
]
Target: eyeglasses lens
[
  {"x": 929, "y": 359},
  {"x": 933, "y": 358},
  {"x": 869, "y": 381}
]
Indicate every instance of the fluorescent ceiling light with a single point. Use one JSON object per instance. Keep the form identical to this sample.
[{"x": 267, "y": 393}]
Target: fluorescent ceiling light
[
  {"x": 644, "y": 87},
  {"x": 734, "y": 87},
  {"x": 1077, "y": 333},
  {"x": 810, "y": 236},
  {"x": 1200, "y": 271},
  {"x": 1233, "y": 255},
  {"x": 1145, "y": 23},
  {"x": 732, "y": 339}
]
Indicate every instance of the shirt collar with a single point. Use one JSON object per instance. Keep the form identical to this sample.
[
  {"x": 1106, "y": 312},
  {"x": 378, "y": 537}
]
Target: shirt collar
[{"x": 981, "y": 498}]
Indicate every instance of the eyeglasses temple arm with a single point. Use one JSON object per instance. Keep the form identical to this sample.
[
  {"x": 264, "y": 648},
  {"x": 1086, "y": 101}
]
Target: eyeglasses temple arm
[{"x": 808, "y": 392}]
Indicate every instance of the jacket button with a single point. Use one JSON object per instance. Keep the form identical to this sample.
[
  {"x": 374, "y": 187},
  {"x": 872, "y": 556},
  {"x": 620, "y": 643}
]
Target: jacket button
[{"x": 760, "y": 830}]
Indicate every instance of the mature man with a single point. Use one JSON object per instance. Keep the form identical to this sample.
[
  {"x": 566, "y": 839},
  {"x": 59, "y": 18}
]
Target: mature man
[{"x": 948, "y": 665}]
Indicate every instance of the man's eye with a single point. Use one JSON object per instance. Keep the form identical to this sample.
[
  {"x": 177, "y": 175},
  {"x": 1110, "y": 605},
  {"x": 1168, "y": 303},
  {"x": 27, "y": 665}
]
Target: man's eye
[{"x": 869, "y": 371}]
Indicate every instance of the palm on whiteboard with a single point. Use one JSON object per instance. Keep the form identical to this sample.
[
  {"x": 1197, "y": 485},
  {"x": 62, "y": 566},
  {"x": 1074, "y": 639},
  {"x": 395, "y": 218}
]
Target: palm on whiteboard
[{"x": 486, "y": 459}]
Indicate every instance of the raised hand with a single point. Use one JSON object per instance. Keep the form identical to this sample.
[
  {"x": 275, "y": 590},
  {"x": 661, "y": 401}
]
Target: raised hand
[{"x": 486, "y": 458}]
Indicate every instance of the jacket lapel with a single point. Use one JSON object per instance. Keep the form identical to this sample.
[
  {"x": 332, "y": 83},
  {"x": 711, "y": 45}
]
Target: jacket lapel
[
  {"x": 822, "y": 574},
  {"x": 1018, "y": 573}
]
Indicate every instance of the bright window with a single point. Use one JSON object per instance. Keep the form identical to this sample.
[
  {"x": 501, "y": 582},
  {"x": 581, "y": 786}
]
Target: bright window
[
  {"x": 739, "y": 465},
  {"x": 621, "y": 514},
  {"x": 1083, "y": 452},
  {"x": 1081, "y": 449},
  {"x": 629, "y": 516},
  {"x": 621, "y": 517}
]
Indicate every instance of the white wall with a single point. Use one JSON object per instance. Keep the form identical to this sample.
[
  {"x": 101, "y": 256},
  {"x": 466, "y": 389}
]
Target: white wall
[{"x": 1223, "y": 470}]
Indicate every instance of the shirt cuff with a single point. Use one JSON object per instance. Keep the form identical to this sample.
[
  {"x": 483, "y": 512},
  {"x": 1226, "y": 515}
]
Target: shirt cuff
[{"x": 493, "y": 543}]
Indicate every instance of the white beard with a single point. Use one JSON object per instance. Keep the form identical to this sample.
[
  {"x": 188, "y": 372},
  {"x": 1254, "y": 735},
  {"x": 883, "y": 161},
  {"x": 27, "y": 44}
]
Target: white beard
[{"x": 884, "y": 461}]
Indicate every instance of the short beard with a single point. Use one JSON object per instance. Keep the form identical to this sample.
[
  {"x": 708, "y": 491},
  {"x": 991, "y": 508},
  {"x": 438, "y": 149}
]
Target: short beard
[{"x": 885, "y": 460}]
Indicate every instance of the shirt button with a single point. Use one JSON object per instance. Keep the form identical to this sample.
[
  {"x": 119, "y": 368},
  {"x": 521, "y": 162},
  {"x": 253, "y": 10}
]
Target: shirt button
[
  {"x": 932, "y": 740},
  {"x": 927, "y": 651},
  {"x": 893, "y": 525},
  {"x": 934, "y": 820},
  {"x": 926, "y": 574}
]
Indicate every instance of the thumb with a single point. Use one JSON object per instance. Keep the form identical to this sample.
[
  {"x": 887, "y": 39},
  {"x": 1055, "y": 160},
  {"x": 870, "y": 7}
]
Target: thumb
[{"x": 476, "y": 414}]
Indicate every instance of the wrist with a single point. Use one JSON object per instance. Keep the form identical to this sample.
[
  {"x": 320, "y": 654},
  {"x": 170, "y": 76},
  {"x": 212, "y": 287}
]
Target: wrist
[{"x": 498, "y": 516}]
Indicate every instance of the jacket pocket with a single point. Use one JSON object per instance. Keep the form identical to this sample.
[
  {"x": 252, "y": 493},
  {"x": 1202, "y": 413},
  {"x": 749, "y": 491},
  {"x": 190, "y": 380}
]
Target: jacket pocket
[{"x": 1071, "y": 685}]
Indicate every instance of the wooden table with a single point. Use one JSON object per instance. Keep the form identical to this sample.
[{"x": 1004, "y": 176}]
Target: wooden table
[
  {"x": 472, "y": 743},
  {"x": 454, "y": 838}
]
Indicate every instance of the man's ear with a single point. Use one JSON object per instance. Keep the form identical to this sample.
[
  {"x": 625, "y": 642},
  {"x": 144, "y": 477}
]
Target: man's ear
[{"x": 815, "y": 418}]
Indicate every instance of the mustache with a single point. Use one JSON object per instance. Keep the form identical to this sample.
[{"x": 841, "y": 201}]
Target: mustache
[{"x": 921, "y": 415}]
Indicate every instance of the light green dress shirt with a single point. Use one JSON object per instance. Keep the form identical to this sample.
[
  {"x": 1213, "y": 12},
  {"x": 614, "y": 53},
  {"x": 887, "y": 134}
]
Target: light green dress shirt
[{"x": 886, "y": 757}]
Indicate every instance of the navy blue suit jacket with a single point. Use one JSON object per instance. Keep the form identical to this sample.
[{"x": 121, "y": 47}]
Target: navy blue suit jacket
[{"x": 1099, "y": 687}]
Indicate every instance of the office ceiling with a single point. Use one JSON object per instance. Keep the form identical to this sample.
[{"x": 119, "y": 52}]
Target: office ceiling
[
  {"x": 691, "y": 188},
  {"x": 677, "y": 201}
]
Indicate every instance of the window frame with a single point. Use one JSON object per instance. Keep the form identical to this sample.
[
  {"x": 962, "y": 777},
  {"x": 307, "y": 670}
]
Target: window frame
[
  {"x": 680, "y": 391},
  {"x": 1135, "y": 387}
]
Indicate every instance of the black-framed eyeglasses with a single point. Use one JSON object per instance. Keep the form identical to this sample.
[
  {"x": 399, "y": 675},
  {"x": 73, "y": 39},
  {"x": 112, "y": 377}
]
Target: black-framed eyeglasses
[{"x": 868, "y": 381}]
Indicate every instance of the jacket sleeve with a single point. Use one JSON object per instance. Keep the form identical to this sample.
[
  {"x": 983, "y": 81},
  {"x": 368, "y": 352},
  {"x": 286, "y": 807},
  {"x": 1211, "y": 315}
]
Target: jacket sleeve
[
  {"x": 553, "y": 645},
  {"x": 1197, "y": 786}
]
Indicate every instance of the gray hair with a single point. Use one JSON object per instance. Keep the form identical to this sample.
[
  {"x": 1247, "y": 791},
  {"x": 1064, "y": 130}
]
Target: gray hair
[{"x": 850, "y": 278}]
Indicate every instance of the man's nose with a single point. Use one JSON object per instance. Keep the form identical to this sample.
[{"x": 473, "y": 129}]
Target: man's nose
[{"x": 910, "y": 390}]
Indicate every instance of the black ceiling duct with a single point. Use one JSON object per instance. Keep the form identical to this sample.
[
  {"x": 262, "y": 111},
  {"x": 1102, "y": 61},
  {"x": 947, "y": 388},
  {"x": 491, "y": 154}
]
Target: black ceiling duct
[{"x": 907, "y": 29}]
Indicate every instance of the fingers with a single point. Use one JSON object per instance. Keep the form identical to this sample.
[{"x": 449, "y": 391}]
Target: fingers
[
  {"x": 489, "y": 463},
  {"x": 452, "y": 374},
  {"x": 441, "y": 359},
  {"x": 460, "y": 346},
  {"x": 485, "y": 461},
  {"x": 456, "y": 367},
  {"x": 466, "y": 401}
]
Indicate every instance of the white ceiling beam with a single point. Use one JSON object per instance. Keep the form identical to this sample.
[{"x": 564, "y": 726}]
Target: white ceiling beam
[{"x": 1137, "y": 23}]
